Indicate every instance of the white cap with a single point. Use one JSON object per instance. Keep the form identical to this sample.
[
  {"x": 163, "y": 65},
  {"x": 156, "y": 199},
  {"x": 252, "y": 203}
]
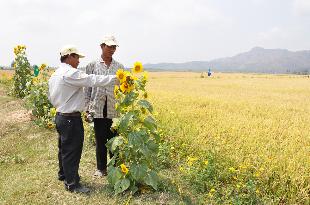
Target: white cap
[
  {"x": 109, "y": 40},
  {"x": 70, "y": 49}
]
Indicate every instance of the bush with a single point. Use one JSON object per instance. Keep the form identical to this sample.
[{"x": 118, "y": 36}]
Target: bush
[
  {"x": 22, "y": 76},
  {"x": 37, "y": 100}
]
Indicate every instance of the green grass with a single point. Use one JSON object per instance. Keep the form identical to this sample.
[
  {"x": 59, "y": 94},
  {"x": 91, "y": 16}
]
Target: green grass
[{"x": 28, "y": 168}]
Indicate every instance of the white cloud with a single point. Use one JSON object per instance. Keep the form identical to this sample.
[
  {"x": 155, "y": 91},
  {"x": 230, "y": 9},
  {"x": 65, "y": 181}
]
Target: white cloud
[
  {"x": 149, "y": 31},
  {"x": 301, "y": 7},
  {"x": 272, "y": 34}
]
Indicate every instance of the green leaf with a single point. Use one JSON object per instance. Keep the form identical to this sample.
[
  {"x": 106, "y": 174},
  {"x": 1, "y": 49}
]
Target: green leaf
[
  {"x": 135, "y": 139},
  {"x": 114, "y": 175},
  {"x": 111, "y": 161},
  {"x": 129, "y": 99},
  {"x": 152, "y": 146},
  {"x": 121, "y": 185},
  {"x": 116, "y": 143},
  {"x": 138, "y": 171},
  {"x": 152, "y": 179},
  {"x": 124, "y": 121},
  {"x": 145, "y": 104},
  {"x": 150, "y": 123},
  {"x": 109, "y": 143},
  {"x": 146, "y": 151},
  {"x": 133, "y": 189},
  {"x": 115, "y": 123},
  {"x": 156, "y": 136}
]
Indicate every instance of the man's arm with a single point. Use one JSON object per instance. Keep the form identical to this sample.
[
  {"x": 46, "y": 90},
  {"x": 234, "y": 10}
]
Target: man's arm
[
  {"x": 81, "y": 79},
  {"x": 88, "y": 90}
]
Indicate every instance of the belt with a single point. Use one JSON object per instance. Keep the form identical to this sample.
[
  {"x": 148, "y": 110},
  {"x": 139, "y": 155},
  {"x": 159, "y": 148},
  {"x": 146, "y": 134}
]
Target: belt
[{"x": 72, "y": 114}]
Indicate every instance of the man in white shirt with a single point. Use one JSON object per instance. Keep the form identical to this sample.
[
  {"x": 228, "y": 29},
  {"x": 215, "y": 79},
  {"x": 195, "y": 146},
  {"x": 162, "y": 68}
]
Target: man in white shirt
[{"x": 66, "y": 95}]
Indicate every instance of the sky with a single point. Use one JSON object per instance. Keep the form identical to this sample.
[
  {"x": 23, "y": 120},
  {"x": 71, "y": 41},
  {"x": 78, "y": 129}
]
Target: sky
[{"x": 151, "y": 31}]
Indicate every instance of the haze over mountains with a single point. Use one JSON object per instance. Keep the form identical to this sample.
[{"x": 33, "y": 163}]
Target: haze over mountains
[{"x": 257, "y": 60}]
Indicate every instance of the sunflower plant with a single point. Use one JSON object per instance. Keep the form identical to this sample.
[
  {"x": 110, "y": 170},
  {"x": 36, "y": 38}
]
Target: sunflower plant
[
  {"x": 22, "y": 75},
  {"x": 37, "y": 100},
  {"x": 136, "y": 145}
]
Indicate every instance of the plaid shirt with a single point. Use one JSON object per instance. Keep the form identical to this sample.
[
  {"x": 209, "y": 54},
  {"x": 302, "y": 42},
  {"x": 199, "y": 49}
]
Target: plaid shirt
[{"x": 95, "y": 97}]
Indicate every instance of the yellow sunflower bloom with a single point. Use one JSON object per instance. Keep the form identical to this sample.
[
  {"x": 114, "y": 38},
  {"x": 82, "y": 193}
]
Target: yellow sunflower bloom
[
  {"x": 15, "y": 51},
  {"x": 35, "y": 80},
  {"x": 145, "y": 76},
  {"x": 120, "y": 74},
  {"x": 124, "y": 168},
  {"x": 116, "y": 88},
  {"x": 43, "y": 66},
  {"x": 53, "y": 111},
  {"x": 137, "y": 68},
  {"x": 50, "y": 125},
  {"x": 126, "y": 88}
]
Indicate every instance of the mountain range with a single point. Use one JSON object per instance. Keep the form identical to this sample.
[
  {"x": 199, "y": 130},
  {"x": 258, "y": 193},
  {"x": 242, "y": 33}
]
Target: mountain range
[{"x": 257, "y": 60}]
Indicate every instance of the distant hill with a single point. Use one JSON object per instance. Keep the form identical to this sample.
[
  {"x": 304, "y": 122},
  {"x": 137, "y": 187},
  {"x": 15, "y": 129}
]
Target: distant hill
[{"x": 257, "y": 60}]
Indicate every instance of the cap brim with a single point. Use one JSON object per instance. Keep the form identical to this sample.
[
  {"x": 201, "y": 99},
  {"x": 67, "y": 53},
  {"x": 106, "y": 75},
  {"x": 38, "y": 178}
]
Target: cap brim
[{"x": 80, "y": 55}]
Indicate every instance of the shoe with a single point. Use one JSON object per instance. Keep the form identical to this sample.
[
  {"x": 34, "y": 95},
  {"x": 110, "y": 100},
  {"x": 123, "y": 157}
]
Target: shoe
[
  {"x": 78, "y": 189},
  {"x": 100, "y": 173}
]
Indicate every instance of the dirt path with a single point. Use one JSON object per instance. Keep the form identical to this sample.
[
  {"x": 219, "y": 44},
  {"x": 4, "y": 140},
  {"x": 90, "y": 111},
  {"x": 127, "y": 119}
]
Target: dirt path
[{"x": 12, "y": 112}]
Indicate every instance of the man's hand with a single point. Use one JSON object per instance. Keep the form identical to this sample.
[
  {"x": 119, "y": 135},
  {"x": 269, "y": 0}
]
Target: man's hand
[
  {"x": 89, "y": 117},
  {"x": 116, "y": 81}
]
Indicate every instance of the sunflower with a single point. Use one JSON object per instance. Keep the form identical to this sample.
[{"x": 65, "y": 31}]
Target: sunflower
[
  {"x": 120, "y": 75},
  {"x": 35, "y": 80},
  {"x": 42, "y": 66},
  {"x": 145, "y": 76},
  {"x": 126, "y": 88},
  {"x": 116, "y": 88},
  {"x": 50, "y": 125},
  {"x": 53, "y": 111},
  {"x": 124, "y": 168},
  {"x": 137, "y": 68}
]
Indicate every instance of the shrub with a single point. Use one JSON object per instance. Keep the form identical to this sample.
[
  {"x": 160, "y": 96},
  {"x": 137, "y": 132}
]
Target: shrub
[{"x": 22, "y": 76}]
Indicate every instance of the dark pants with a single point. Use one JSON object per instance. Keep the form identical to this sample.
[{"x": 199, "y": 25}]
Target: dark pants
[
  {"x": 70, "y": 144},
  {"x": 103, "y": 133}
]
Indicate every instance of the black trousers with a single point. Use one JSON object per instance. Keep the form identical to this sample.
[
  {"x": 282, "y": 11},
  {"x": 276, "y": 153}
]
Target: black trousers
[
  {"x": 103, "y": 133},
  {"x": 70, "y": 144}
]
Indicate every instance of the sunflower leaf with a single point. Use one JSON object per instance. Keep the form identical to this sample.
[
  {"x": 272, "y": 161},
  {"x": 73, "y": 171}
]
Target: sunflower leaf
[{"x": 145, "y": 104}]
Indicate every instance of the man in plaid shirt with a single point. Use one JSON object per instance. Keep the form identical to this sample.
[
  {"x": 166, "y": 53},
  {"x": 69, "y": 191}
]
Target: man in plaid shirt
[{"x": 100, "y": 101}]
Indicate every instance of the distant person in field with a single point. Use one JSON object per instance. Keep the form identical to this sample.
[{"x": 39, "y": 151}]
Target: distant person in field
[
  {"x": 66, "y": 95},
  {"x": 100, "y": 101}
]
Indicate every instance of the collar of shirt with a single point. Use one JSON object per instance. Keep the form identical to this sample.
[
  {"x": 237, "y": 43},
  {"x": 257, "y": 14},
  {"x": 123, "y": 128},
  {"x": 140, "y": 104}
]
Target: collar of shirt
[
  {"x": 100, "y": 60},
  {"x": 65, "y": 65}
]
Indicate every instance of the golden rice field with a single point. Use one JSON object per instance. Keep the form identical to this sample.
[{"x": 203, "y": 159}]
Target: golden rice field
[
  {"x": 6, "y": 73},
  {"x": 254, "y": 120}
]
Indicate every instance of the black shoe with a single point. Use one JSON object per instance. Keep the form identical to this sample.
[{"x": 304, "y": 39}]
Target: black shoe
[{"x": 78, "y": 189}]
